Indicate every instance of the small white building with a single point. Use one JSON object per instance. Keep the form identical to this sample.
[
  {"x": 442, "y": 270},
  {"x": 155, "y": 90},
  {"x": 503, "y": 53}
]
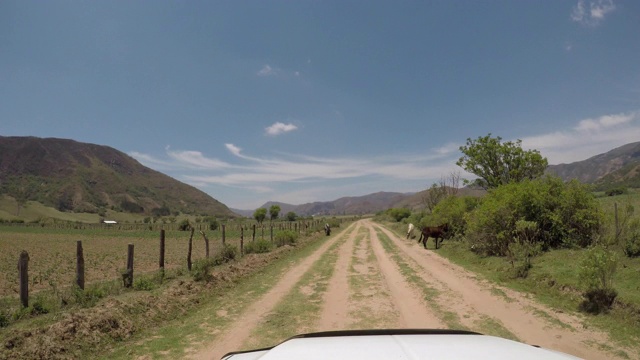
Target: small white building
[{"x": 109, "y": 222}]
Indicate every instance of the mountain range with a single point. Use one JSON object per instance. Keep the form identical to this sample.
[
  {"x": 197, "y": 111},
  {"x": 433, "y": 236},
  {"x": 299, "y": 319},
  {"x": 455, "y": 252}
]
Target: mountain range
[{"x": 80, "y": 177}]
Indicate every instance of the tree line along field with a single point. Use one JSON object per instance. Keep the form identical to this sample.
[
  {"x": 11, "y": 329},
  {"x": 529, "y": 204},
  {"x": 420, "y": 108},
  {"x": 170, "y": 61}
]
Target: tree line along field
[{"x": 52, "y": 251}]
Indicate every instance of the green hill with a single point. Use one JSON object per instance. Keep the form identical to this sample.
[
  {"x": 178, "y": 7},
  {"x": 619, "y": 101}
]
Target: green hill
[{"x": 71, "y": 176}]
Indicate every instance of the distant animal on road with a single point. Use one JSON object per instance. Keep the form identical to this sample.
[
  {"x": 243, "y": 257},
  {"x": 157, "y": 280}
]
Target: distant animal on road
[
  {"x": 436, "y": 232},
  {"x": 410, "y": 231},
  {"x": 327, "y": 229}
]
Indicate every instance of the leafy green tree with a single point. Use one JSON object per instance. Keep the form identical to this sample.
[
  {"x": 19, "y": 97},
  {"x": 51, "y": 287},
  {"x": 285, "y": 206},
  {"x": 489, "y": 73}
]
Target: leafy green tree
[
  {"x": 291, "y": 216},
  {"x": 399, "y": 213},
  {"x": 274, "y": 211},
  {"x": 260, "y": 214},
  {"x": 497, "y": 163}
]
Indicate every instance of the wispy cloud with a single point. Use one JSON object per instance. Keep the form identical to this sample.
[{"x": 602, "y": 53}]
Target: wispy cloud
[
  {"x": 604, "y": 122},
  {"x": 588, "y": 138},
  {"x": 279, "y": 128},
  {"x": 593, "y": 13},
  {"x": 267, "y": 71},
  {"x": 290, "y": 168}
]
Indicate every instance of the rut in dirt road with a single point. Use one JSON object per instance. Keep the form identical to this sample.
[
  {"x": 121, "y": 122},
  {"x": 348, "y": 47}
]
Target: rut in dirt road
[{"x": 472, "y": 300}]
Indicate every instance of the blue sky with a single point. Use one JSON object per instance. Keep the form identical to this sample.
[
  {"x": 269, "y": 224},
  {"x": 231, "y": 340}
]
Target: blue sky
[{"x": 300, "y": 101}]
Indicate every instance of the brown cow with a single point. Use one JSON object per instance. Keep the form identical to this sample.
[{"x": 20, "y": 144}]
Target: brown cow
[{"x": 436, "y": 232}]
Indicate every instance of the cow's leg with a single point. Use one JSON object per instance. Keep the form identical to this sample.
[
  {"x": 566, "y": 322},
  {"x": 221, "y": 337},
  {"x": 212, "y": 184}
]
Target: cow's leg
[{"x": 424, "y": 241}]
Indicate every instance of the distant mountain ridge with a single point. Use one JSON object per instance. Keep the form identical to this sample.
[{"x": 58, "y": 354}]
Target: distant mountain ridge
[
  {"x": 350, "y": 205},
  {"x": 74, "y": 176},
  {"x": 620, "y": 166}
]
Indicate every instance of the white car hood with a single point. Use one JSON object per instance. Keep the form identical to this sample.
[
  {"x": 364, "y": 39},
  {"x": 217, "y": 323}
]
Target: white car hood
[{"x": 400, "y": 347}]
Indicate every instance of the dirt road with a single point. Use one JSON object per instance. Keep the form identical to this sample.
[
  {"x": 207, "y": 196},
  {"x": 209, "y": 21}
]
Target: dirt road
[{"x": 365, "y": 276}]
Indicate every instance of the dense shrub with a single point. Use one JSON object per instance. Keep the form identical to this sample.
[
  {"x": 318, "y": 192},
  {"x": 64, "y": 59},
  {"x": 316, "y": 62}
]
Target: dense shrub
[
  {"x": 452, "y": 210},
  {"x": 616, "y": 191},
  {"x": 597, "y": 269},
  {"x": 598, "y": 300},
  {"x": 398, "y": 214},
  {"x": 523, "y": 249},
  {"x": 566, "y": 214},
  {"x": 4, "y": 319},
  {"x": 259, "y": 246},
  {"x": 89, "y": 296},
  {"x": 201, "y": 269},
  {"x": 286, "y": 237},
  {"x": 184, "y": 225},
  {"x": 39, "y": 305},
  {"x": 213, "y": 223},
  {"x": 144, "y": 284},
  {"x": 228, "y": 253},
  {"x": 632, "y": 245}
]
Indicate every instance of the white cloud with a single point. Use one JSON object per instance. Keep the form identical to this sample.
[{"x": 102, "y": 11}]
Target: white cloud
[
  {"x": 267, "y": 71},
  {"x": 196, "y": 159},
  {"x": 588, "y": 138},
  {"x": 448, "y": 148},
  {"x": 233, "y": 149},
  {"x": 279, "y": 128},
  {"x": 596, "y": 11},
  {"x": 605, "y": 121}
]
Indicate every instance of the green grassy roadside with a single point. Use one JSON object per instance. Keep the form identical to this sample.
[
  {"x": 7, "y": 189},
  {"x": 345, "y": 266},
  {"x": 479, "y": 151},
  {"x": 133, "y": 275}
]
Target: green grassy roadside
[{"x": 553, "y": 280}]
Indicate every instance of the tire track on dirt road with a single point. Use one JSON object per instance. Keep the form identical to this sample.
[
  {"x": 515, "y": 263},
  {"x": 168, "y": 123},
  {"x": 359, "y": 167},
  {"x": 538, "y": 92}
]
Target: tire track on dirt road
[
  {"x": 233, "y": 337},
  {"x": 475, "y": 298},
  {"x": 413, "y": 312},
  {"x": 335, "y": 312}
]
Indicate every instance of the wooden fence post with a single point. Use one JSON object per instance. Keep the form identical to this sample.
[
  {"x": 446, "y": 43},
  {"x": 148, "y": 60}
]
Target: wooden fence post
[
  {"x": 80, "y": 265},
  {"x": 190, "y": 247},
  {"x": 23, "y": 272},
  {"x": 223, "y": 235},
  {"x": 206, "y": 243},
  {"x": 162, "y": 249},
  {"x": 241, "y": 241},
  {"x": 615, "y": 208},
  {"x": 253, "y": 236},
  {"x": 128, "y": 277},
  {"x": 271, "y": 232}
]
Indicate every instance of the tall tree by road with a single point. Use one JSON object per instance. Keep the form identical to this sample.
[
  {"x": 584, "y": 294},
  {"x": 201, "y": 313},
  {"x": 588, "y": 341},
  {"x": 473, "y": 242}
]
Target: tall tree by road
[
  {"x": 260, "y": 214},
  {"x": 497, "y": 163},
  {"x": 274, "y": 211}
]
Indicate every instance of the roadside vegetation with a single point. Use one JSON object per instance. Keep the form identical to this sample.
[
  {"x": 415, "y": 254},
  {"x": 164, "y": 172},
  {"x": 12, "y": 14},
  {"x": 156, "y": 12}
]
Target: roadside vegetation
[
  {"x": 70, "y": 322},
  {"x": 571, "y": 247}
]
